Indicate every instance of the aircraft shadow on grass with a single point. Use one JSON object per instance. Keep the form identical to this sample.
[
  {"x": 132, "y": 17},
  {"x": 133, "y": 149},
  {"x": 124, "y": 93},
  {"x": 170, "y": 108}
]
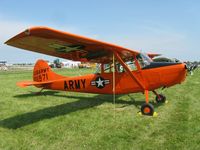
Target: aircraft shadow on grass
[{"x": 22, "y": 120}]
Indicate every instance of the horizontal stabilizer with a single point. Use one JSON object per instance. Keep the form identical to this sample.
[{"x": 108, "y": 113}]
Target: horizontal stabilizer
[{"x": 30, "y": 83}]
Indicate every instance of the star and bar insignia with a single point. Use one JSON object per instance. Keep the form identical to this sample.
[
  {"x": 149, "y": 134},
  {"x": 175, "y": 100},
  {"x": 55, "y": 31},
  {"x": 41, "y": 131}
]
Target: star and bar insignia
[{"x": 100, "y": 82}]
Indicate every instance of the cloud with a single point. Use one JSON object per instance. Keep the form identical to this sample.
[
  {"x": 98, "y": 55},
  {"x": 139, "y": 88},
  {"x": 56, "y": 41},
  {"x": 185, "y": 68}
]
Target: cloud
[
  {"x": 149, "y": 38},
  {"x": 156, "y": 39},
  {"x": 9, "y": 28}
]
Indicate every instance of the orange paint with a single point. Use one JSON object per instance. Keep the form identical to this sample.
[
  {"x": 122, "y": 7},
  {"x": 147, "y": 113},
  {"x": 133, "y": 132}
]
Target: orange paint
[
  {"x": 103, "y": 83},
  {"x": 147, "y": 110},
  {"x": 144, "y": 77}
]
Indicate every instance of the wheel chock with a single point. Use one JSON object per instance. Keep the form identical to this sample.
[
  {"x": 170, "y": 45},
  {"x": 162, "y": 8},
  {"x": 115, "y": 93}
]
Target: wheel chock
[
  {"x": 139, "y": 113},
  {"x": 155, "y": 114}
]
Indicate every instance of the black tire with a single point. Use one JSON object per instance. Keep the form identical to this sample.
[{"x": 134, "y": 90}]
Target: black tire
[
  {"x": 147, "y": 109},
  {"x": 161, "y": 98}
]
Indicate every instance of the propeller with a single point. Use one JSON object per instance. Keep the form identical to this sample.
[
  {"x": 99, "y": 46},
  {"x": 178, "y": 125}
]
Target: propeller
[{"x": 191, "y": 67}]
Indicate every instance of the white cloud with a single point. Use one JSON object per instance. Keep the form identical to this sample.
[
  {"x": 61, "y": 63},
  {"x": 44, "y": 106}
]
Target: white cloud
[
  {"x": 158, "y": 39},
  {"x": 8, "y": 29},
  {"x": 153, "y": 38}
]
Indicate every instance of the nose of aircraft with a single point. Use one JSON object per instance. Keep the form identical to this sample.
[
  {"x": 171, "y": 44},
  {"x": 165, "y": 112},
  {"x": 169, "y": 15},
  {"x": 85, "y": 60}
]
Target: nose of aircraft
[
  {"x": 190, "y": 68},
  {"x": 183, "y": 71}
]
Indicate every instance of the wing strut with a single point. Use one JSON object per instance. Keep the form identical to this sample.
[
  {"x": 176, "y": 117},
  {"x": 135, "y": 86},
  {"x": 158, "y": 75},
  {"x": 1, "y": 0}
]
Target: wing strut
[
  {"x": 114, "y": 82},
  {"x": 129, "y": 71}
]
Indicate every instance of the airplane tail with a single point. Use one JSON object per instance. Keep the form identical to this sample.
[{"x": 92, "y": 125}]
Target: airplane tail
[{"x": 42, "y": 75}]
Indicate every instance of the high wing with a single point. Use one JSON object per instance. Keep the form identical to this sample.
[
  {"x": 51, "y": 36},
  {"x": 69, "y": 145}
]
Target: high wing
[{"x": 69, "y": 46}]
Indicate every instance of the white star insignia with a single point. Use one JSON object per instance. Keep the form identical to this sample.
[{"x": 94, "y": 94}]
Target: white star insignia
[{"x": 100, "y": 82}]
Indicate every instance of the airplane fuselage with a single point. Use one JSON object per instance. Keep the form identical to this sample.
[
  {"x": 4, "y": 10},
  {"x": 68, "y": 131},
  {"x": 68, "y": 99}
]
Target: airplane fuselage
[{"x": 151, "y": 78}]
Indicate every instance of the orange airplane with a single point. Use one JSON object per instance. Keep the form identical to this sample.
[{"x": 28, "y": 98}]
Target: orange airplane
[{"x": 121, "y": 70}]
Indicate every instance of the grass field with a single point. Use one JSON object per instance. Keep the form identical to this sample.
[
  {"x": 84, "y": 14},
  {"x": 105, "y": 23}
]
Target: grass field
[{"x": 60, "y": 120}]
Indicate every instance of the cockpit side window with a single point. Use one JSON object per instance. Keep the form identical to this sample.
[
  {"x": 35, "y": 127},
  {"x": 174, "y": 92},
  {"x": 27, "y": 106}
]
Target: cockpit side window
[
  {"x": 104, "y": 68},
  {"x": 98, "y": 69},
  {"x": 130, "y": 64},
  {"x": 108, "y": 68},
  {"x": 143, "y": 60}
]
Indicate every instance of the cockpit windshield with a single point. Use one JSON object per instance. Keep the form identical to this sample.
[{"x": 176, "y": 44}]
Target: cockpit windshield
[{"x": 144, "y": 60}]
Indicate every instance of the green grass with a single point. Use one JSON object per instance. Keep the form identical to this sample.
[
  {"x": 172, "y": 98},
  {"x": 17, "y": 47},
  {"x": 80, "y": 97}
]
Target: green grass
[{"x": 62, "y": 120}]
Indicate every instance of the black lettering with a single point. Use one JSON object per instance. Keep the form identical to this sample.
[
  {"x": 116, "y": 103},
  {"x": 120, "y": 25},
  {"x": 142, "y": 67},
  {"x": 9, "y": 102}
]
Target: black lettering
[
  {"x": 47, "y": 76},
  {"x": 83, "y": 82},
  {"x": 41, "y": 71},
  {"x": 39, "y": 78},
  {"x": 43, "y": 77},
  {"x": 71, "y": 84},
  {"x": 77, "y": 84},
  {"x": 65, "y": 85}
]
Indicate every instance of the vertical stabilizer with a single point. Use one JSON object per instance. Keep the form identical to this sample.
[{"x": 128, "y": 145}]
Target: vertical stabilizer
[{"x": 43, "y": 73}]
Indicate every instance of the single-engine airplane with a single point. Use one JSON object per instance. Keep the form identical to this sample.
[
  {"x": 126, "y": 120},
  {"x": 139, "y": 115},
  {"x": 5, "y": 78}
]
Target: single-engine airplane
[{"x": 121, "y": 70}]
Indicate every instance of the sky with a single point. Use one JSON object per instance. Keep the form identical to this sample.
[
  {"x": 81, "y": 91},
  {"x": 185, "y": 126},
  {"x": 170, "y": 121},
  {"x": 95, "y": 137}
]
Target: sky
[{"x": 170, "y": 27}]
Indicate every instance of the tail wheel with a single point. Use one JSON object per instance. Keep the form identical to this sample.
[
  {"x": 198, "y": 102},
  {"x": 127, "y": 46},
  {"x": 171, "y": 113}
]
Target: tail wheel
[
  {"x": 147, "y": 109},
  {"x": 160, "y": 98}
]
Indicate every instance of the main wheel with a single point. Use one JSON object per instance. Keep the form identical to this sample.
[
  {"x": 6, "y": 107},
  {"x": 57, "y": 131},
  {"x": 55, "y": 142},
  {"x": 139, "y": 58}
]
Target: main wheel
[
  {"x": 147, "y": 109},
  {"x": 161, "y": 98}
]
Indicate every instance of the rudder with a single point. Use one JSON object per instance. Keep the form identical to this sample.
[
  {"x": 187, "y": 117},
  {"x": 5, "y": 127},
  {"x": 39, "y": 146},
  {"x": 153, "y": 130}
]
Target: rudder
[{"x": 43, "y": 73}]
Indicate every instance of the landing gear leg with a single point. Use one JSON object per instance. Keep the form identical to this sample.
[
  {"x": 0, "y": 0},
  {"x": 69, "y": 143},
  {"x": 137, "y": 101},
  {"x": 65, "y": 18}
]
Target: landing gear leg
[
  {"x": 160, "y": 98},
  {"x": 147, "y": 108},
  {"x": 38, "y": 93}
]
